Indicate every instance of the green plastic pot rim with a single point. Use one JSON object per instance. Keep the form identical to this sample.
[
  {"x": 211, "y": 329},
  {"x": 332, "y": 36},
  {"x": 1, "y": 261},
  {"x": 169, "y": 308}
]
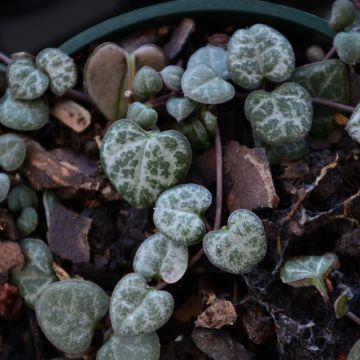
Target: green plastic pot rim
[{"x": 182, "y": 8}]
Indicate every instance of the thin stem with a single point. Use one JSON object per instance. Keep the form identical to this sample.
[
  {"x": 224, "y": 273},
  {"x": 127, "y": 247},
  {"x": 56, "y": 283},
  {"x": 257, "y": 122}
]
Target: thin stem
[
  {"x": 333, "y": 104},
  {"x": 78, "y": 96},
  {"x": 353, "y": 317},
  {"x": 5, "y": 59},
  {"x": 329, "y": 54},
  {"x": 161, "y": 99}
]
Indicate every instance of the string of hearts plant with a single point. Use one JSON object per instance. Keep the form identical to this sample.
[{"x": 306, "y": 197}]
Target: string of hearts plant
[{"x": 146, "y": 165}]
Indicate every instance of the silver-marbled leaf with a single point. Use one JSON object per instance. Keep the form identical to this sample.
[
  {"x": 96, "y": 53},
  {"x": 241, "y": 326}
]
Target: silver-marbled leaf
[
  {"x": 353, "y": 125},
  {"x": 136, "y": 308},
  {"x": 282, "y": 116},
  {"x": 23, "y": 115},
  {"x": 143, "y": 114},
  {"x": 158, "y": 257},
  {"x": 60, "y": 68},
  {"x": 68, "y": 311},
  {"x": 139, "y": 347},
  {"x": 179, "y": 213},
  {"x": 171, "y": 76},
  {"x": 180, "y": 107},
  {"x": 238, "y": 247},
  {"x": 343, "y": 14},
  {"x": 12, "y": 152},
  {"x": 147, "y": 82},
  {"x": 4, "y": 186},
  {"x": 214, "y": 56},
  {"x": 37, "y": 273},
  {"x": 201, "y": 84},
  {"x": 347, "y": 45},
  {"x": 26, "y": 82},
  {"x": 259, "y": 54},
  {"x": 140, "y": 164},
  {"x": 309, "y": 271}
]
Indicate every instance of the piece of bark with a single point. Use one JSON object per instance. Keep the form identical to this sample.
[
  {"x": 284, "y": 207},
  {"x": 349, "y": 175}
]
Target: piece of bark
[
  {"x": 11, "y": 258},
  {"x": 218, "y": 345},
  {"x": 218, "y": 39},
  {"x": 10, "y": 302},
  {"x": 179, "y": 38},
  {"x": 217, "y": 315},
  {"x": 294, "y": 170},
  {"x": 205, "y": 167},
  {"x": 251, "y": 181},
  {"x": 8, "y": 228},
  {"x": 71, "y": 114},
  {"x": 68, "y": 235}
]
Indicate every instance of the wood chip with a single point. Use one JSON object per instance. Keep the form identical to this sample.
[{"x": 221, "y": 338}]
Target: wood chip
[
  {"x": 249, "y": 171},
  {"x": 71, "y": 114},
  {"x": 68, "y": 235},
  {"x": 11, "y": 258},
  {"x": 8, "y": 228}
]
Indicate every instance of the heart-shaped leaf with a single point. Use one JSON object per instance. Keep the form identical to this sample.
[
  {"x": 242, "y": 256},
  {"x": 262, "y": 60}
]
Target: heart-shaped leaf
[
  {"x": 238, "y": 247},
  {"x": 353, "y": 125},
  {"x": 179, "y": 213},
  {"x": 139, "y": 347},
  {"x": 171, "y": 76},
  {"x": 347, "y": 46},
  {"x": 26, "y": 82},
  {"x": 282, "y": 116},
  {"x": 354, "y": 353},
  {"x": 341, "y": 307},
  {"x": 150, "y": 55},
  {"x": 159, "y": 257},
  {"x": 309, "y": 271},
  {"x": 259, "y": 54},
  {"x": 180, "y": 107},
  {"x": 23, "y": 115},
  {"x": 60, "y": 68},
  {"x": 4, "y": 186},
  {"x": 12, "y": 152},
  {"x": 27, "y": 221},
  {"x": 37, "y": 274},
  {"x": 142, "y": 114},
  {"x": 201, "y": 83},
  {"x": 136, "y": 308},
  {"x": 147, "y": 82},
  {"x": 20, "y": 197},
  {"x": 68, "y": 311},
  {"x": 140, "y": 164},
  {"x": 211, "y": 55},
  {"x": 343, "y": 13}
]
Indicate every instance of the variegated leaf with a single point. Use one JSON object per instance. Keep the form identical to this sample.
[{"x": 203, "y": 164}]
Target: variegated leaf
[
  {"x": 259, "y": 54},
  {"x": 347, "y": 46},
  {"x": 60, "y": 68},
  {"x": 159, "y": 257},
  {"x": 37, "y": 274},
  {"x": 68, "y": 311},
  {"x": 136, "y": 308},
  {"x": 4, "y": 186},
  {"x": 140, "y": 164},
  {"x": 211, "y": 55},
  {"x": 139, "y": 347},
  {"x": 343, "y": 14},
  {"x": 238, "y": 247},
  {"x": 282, "y": 116},
  {"x": 353, "y": 125},
  {"x": 25, "y": 81},
  {"x": 23, "y": 115},
  {"x": 179, "y": 213},
  {"x": 147, "y": 82},
  {"x": 180, "y": 107},
  {"x": 171, "y": 76},
  {"x": 143, "y": 114},
  {"x": 201, "y": 83},
  {"x": 12, "y": 152},
  {"x": 309, "y": 271}
]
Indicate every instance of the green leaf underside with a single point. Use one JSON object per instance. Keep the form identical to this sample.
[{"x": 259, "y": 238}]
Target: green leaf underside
[
  {"x": 140, "y": 164},
  {"x": 25, "y": 81},
  {"x": 27, "y": 221},
  {"x": 60, "y": 68},
  {"x": 4, "y": 186},
  {"x": 67, "y": 312},
  {"x": 20, "y": 197},
  {"x": 341, "y": 307},
  {"x": 343, "y": 13},
  {"x": 257, "y": 54},
  {"x": 158, "y": 256},
  {"x": 179, "y": 213},
  {"x": 180, "y": 107},
  {"x": 240, "y": 246},
  {"x": 347, "y": 46},
  {"x": 354, "y": 352},
  {"x": 282, "y": 116},
  {"x": 213, "y": 56},
  {"x": 171, "y": 76},
  {"x": 353, "y": 126},
  {"x": 136, "y": 308},
  {"x": 201, "y": 83},
  {"x": 140, "y": 347},
  {"x": 23, "y": 115},
  {"x": 12, "y": 152},
  {"x": 37, "y": 274},
  {"x": 143, "y": 115}
]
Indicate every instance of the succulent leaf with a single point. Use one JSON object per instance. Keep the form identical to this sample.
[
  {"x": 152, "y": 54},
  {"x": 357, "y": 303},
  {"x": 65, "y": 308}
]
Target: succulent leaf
[
  {"x": 343, "y": 14},
  {"x": 140, "y": 164},
  {"x": 180, "y": 107},
  {"x": 238, "y": 247},
  {"x": 341, "y": 307},
  {"x": 37, "y": 274},
  {"x": 347, "y": 46},
  {"x": 142, "y": 114},
  {"x": 259, "y": 54},
  {"x": 27, "y": 222},
  {"x": 147, "y": 82},
  {"x": 354, "y": 353},
  {"x": 150, "y": 55},
  {"x": 25, "y": 81},
  {"x": 20, "y": 197},
  {"x": 67, "y": 312},
  {"x": 282, "y": 116},
  {"x": 353, "y": 125},
  {"x": 12, "y": 152},
  {"x": 136, "y": 308},
  {"x": 4, "y": 186},
  {"x": 171, "y": 76},
  {"x": 159, "y": 257},
  {"x": 60, "y": 68},
  {"x": 179, "y": 213}
]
